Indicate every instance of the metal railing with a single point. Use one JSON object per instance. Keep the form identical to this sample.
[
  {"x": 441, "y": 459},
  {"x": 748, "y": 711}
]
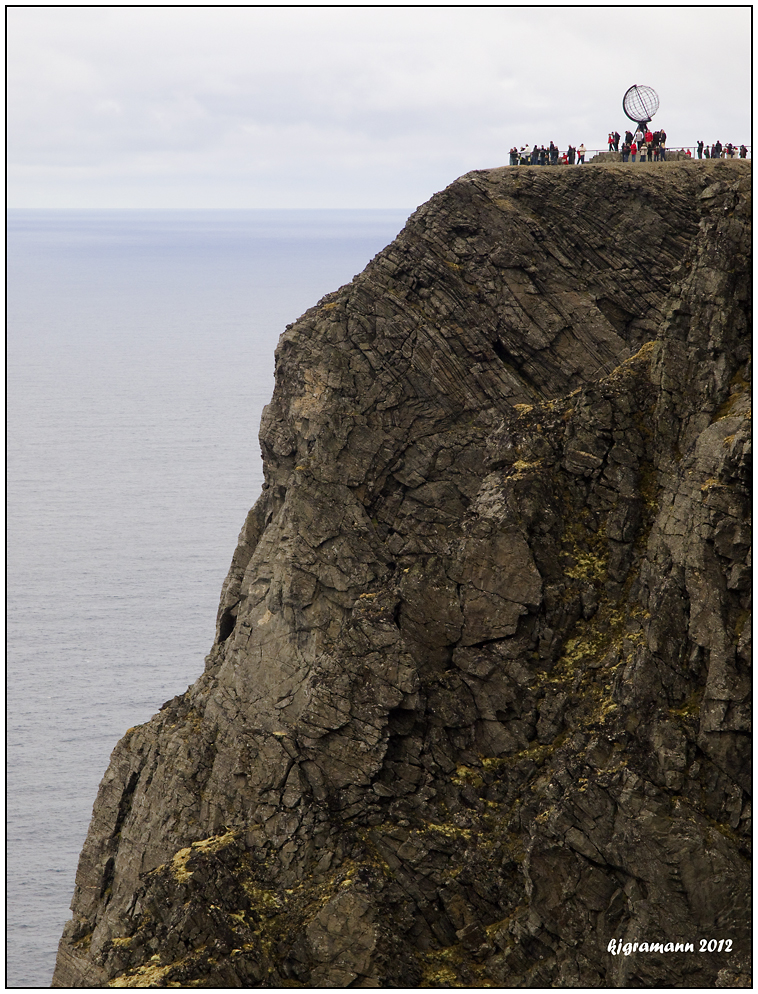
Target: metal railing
[
  {"x": 681, "y": 151},
  {"x": 673, "y": 153}
]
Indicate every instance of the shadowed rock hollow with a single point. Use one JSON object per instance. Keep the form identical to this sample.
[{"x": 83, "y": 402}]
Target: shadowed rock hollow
[{"x": 478, "y": 700}]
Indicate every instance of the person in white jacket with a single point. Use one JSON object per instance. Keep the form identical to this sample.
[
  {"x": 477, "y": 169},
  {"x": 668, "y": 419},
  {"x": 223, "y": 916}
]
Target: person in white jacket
[{"x": 580, "y": 154}]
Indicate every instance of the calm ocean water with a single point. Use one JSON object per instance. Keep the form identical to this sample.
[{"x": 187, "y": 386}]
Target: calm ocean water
[{"x": 139, "y": 355}]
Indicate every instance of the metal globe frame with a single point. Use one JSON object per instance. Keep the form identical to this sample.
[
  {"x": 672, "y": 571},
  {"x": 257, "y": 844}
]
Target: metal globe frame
[{"x": 640, "y": 104}]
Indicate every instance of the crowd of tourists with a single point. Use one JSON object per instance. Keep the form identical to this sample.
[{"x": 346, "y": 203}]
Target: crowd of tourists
[
  {"x": 719, "y": 151},
  {"x": 550, "y": 156},
  {"x": 640, "y": 146},
  {"x": 647, "y": 145}
]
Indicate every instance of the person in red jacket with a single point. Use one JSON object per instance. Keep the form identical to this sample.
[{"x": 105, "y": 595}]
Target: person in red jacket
[
  {"x": 633, "y": 150},
  {"x": 648, "y": 137}
]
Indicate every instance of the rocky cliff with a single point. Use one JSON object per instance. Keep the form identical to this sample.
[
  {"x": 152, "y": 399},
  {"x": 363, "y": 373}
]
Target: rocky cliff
[{"x": 478, "y": 700}]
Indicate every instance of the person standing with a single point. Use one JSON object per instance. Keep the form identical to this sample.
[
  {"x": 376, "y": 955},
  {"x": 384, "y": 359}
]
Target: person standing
[
  {"x": 581, "y": 152},
  {"x": 571, "y": 155},
  {"x": 633, "y": 150},
  {"x": 643, "y": 152},
  {"x": 625, "y": 152},
  {"x": 662, "y": 147},
  {"x": 743, "y": 151},
  {"x": 700, "y": 150},
  {"x": 610, "y": 141},
  {"x": 717, "y": 149},
  {"x": 706, "y": 152},
  {"x": 616, "y": 139}
]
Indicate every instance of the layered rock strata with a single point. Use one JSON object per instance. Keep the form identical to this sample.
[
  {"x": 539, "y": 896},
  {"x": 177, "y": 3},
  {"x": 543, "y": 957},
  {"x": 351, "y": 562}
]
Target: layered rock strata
[{"x": 478, "y": 699}]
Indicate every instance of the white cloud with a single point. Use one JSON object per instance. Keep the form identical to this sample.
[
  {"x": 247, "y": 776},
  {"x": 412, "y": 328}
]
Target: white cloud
[{"x": 347, "y": 106}]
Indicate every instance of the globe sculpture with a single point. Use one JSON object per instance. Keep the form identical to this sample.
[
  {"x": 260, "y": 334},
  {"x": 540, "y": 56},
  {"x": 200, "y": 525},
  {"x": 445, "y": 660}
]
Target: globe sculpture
[{"x": 640, "y": 103}]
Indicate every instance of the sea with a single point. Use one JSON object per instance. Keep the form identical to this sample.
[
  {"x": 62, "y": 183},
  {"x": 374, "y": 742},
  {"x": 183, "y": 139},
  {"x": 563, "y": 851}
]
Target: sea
[{"x": 140, "y": 353}]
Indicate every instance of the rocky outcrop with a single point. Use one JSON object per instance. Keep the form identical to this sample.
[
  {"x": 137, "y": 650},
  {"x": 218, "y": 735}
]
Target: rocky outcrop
[{"x": 477, "y": 704}]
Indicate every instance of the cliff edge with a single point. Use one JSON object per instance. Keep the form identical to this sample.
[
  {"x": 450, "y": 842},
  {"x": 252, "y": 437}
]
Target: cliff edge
[{"x": 478, "y": 701}]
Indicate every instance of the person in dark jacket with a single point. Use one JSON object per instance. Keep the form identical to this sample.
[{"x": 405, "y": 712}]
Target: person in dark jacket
[
  {"x": 571, "y": 155},
  {"x": 743, "y": 151},
  {"x": 700, "y": 150},
  {"x": 616, "y": 140}
]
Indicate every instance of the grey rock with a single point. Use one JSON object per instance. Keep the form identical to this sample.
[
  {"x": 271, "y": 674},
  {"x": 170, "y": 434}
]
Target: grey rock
[{"x": 479, "y": 697}]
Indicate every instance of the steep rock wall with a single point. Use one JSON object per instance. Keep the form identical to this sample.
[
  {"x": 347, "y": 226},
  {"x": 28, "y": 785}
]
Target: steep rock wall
[{"x": 478, "y": 699}]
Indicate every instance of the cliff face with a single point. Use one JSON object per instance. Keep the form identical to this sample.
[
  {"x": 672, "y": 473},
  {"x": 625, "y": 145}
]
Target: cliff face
[{"x": 478, "y": 699}]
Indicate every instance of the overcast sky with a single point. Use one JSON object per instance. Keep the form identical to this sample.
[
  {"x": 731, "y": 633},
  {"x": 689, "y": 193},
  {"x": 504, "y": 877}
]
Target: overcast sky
[{"x": 342, "y": 106}]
